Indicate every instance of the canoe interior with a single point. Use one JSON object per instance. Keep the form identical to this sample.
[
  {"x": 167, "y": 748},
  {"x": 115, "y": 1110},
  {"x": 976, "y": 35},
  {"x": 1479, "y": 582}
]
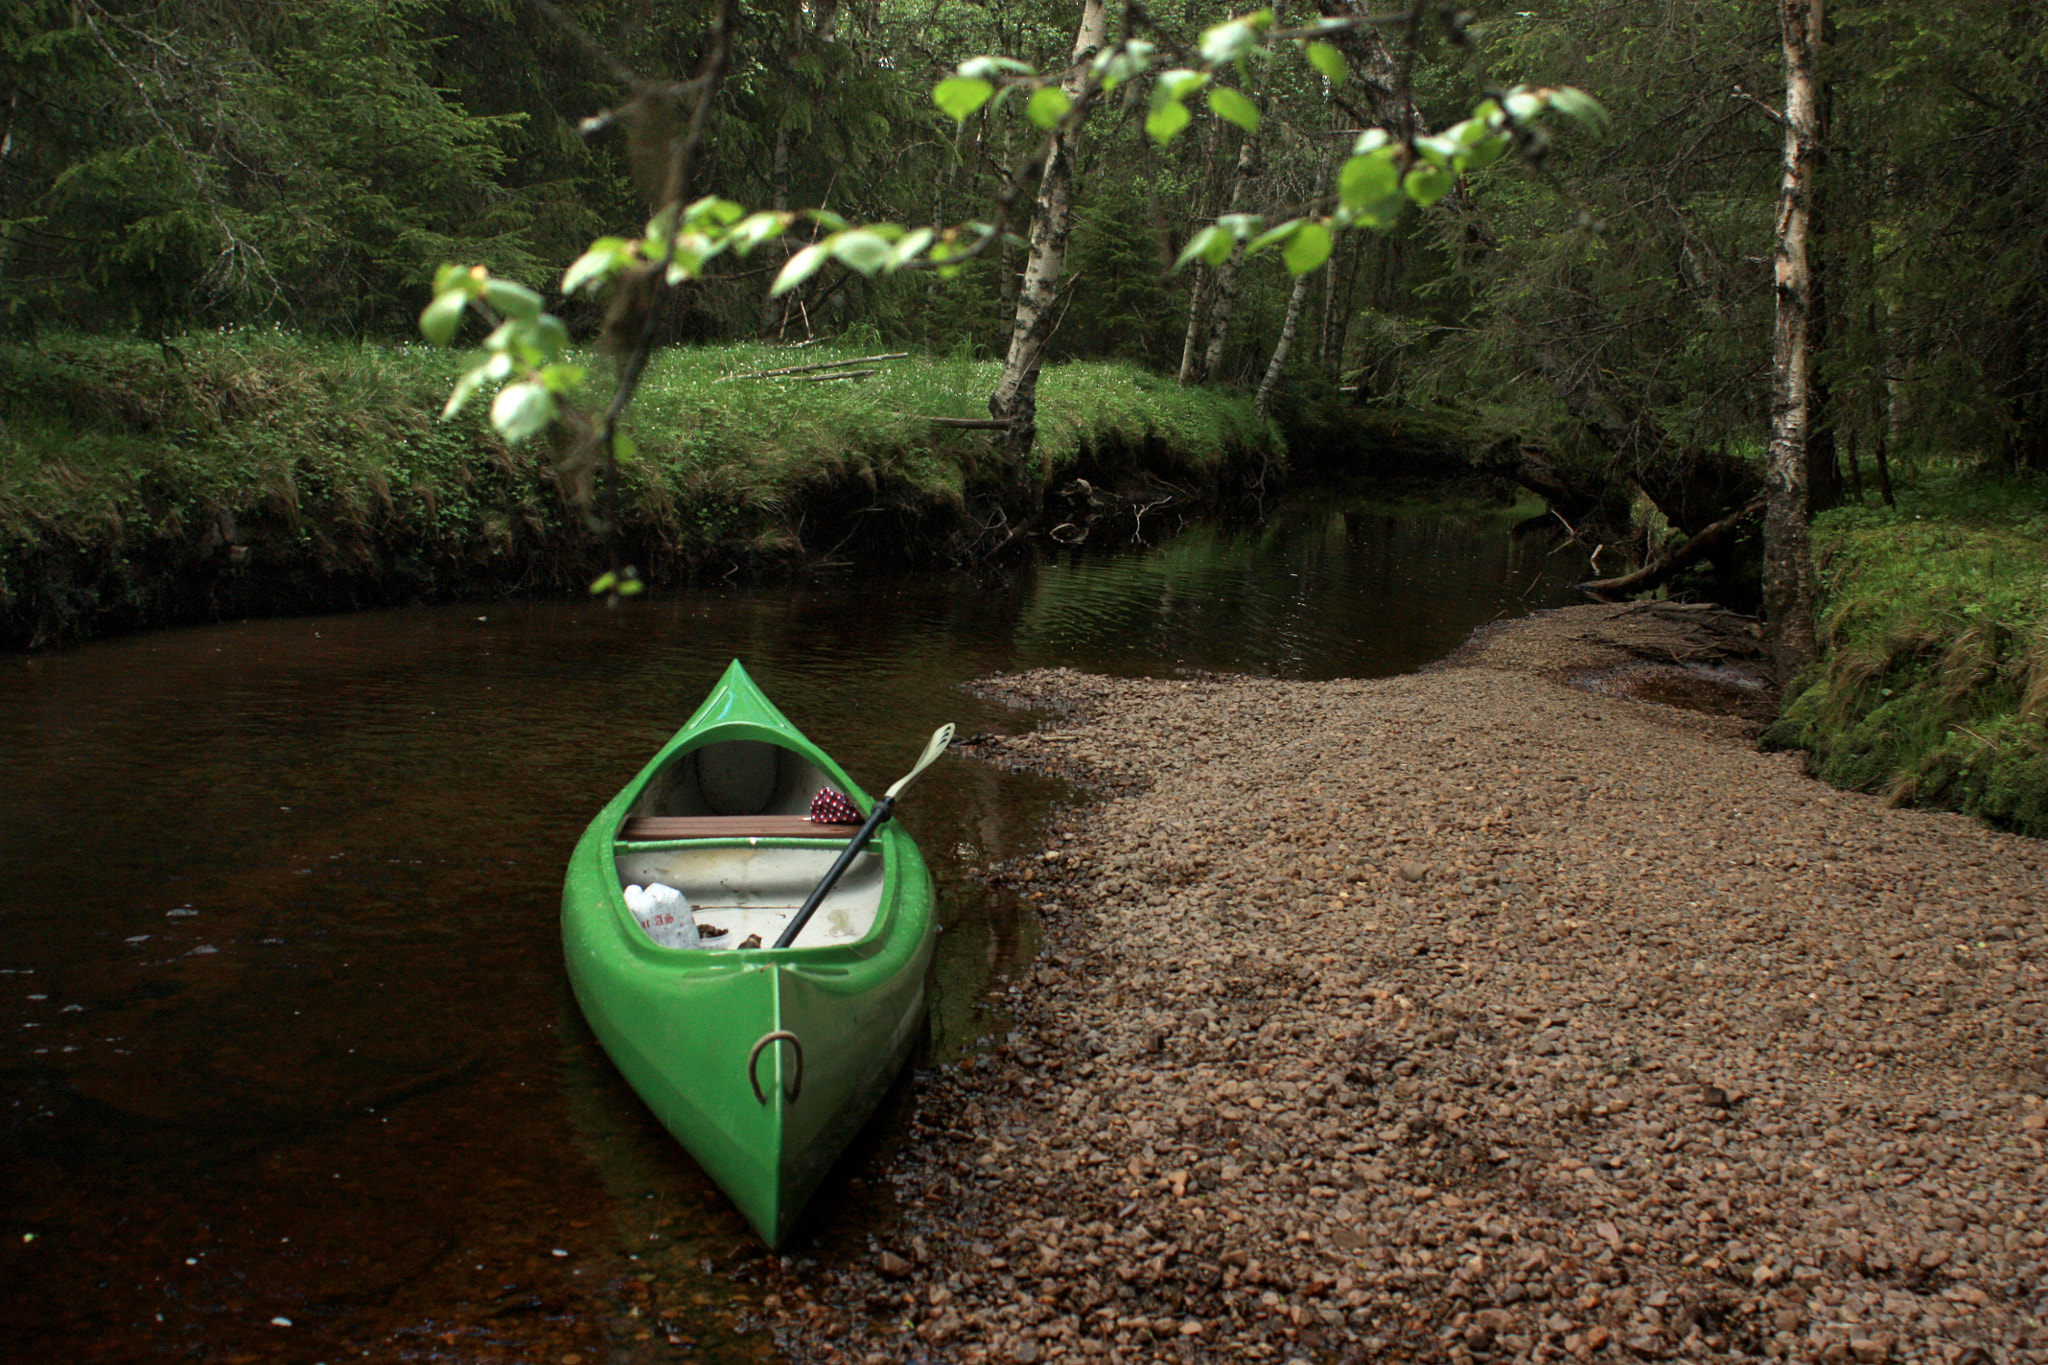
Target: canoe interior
[
  {"x": 754, "y": 886},
  {"x": 733, "y": 777},
  {"x": 750, "y": 886}
]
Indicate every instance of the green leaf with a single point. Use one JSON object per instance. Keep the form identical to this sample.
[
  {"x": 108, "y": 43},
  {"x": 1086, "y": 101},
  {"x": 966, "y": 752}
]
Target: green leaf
[
  {"x": 1115, "y": 65},
  {"x": 864, "y": 251},
  {"x": 659, "y": 229},
  {"x": 757, "y": 228},
  {"x": 1366, "y": 178},
  {"x": 1382, "y": 213},
  {"x": 551, "y": 334},
  {"x": 624, "y": 447},
  {"x": 1330, "y": 62},
  {"x": 1211, "y": 244},
  {"x": 1485, "y": 153},
  {"x": 513, "y": 300},
  {"x": 460, "y": 277},
  {"x": 1228, "y": 104},
  {"x": 563, "y": 378},
  {"x": 960, "y": 96},
  {"x": 980, "y": 68},
  {"x": 1427, "y": 184},
  {"x": 439, "y": 319},
  {"x": 522, "y": 410},
  {"x": 1167, "y": 118},
  {"x": 799, "y": 268},
  {"x": 1580, "y": 107},
  {"x": 1048, "y": 106},
  {"x": 1309, "y": 248},
  {"x": 688, "y": 262},
  {"x": 1225, "y": 43},
  {"x": 1179, "y": 83},
  {"x": 1438, "y": 149},
  {"x": 912, "y": 246},
  {"x": 1240, "y": 225},
  {"x": 603, "y": 583},
  {"x": 606, "y": 256},
  {"x": 712, "y": 209},
  {"x": 1279, "y": 234},
  {"x": 465, "y": 389},
  {"x": 1371, "y": 140}
]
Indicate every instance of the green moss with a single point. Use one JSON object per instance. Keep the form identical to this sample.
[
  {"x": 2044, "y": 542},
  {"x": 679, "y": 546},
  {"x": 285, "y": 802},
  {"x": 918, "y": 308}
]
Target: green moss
[{"x": 1933, "y": 688}]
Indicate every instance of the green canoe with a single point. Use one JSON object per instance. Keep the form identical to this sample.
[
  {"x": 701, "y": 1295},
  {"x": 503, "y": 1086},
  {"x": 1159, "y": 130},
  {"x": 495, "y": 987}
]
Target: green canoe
[{"x": 763, "y": 1062}]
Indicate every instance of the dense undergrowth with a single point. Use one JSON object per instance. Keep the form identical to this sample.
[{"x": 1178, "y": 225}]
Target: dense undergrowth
[
  {"x": 261, "y": 471},
  {"x": 1933, "y": 688}
]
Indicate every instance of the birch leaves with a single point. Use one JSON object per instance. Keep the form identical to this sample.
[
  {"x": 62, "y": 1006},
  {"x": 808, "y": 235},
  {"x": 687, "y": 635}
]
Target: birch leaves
[{"x": 1378, "y": 180}]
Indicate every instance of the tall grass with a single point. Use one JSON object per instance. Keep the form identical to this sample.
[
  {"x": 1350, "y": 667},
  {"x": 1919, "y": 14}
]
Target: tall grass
[{"x": 1933, "y": 687}]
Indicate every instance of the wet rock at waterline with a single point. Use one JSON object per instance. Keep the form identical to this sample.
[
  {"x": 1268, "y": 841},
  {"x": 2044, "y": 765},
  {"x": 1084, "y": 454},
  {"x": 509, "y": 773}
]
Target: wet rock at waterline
[{"x": 1466, "y": 1016}]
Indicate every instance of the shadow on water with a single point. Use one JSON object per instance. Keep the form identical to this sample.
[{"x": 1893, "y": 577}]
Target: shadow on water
[{"x": 291, "y": 1072}]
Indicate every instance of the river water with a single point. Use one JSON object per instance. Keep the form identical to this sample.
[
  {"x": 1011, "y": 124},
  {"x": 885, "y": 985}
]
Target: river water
[{"x": 290, "y": 1069}]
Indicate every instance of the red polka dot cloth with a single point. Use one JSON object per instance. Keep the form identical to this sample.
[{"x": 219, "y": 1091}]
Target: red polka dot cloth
[{"x": 829, "y": 807}]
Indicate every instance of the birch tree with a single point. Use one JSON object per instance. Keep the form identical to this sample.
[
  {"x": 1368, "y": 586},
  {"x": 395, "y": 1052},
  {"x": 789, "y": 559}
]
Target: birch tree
[
  {"x": 1016, "y": 397},
  {"x": 1788, "y": 556}
]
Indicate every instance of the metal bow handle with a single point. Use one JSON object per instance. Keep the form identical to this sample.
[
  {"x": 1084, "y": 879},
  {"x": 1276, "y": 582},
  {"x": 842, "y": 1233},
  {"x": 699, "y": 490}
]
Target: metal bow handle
[{"x": 795, "y": 1046}]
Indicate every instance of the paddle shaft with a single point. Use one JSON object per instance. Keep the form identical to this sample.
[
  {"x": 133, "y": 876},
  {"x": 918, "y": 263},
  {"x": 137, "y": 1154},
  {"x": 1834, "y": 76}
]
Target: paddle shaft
[{"x": 876, "y": 817}]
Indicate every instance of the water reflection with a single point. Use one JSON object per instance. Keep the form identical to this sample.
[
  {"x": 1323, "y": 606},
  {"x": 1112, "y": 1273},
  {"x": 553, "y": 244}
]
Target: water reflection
[{"x": 286, "y": 1029}]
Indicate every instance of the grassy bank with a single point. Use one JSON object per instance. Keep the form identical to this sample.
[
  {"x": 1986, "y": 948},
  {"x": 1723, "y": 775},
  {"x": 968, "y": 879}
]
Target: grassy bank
[
  {"x": 1933, "y": 687},
  {"x": 258, "y": 471}
]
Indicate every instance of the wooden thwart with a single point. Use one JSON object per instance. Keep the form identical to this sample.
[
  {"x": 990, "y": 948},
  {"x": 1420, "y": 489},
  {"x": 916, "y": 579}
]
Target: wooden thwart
[{"x": 650, "y": 828}]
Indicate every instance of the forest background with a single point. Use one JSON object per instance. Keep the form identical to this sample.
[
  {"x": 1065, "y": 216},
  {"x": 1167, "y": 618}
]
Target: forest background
[{"x": 1593, "y": 316}]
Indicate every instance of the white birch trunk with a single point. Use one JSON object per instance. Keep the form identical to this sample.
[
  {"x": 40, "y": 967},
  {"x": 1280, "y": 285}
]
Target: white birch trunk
[
  {"x": 1788, "y": 556},
  {"x": 1223, "y": 288},
  {"x": 1292, "y": 322},
  {"x": 1264, "y": 399},
  {"x": 1191, "y": 343},
  {"x": 1016, "y": 397}
]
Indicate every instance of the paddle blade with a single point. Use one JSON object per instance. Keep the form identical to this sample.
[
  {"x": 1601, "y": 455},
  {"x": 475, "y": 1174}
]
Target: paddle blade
[{"x": 941, "y": 737}]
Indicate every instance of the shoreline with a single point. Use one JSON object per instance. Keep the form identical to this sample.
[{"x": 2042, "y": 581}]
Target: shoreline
[
  {"x": 255, "y": 473},
  {"x": 1468, "y": 1015}
]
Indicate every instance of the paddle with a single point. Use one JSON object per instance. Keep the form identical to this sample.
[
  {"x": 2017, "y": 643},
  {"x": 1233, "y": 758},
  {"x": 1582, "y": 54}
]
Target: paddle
[{"x": 941, "y": 737}]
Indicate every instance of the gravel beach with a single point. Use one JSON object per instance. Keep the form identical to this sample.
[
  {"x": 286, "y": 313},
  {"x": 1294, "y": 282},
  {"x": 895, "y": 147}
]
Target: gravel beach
[{"x": 1477, "y": 1015}]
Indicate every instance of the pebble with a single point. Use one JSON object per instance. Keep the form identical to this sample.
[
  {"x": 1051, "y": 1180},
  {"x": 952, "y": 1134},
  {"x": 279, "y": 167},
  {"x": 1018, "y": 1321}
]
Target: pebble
[{"x": 1470, "y": 1016}]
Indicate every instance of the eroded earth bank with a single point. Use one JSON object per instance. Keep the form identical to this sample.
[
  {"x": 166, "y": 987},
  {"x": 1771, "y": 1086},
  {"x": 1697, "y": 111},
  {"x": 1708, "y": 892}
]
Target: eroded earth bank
[{"x": 1470, "y": 1015}]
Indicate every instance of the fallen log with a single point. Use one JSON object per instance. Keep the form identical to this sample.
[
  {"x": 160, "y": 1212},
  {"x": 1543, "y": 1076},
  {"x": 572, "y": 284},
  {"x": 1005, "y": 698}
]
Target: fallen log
[{"x": 1653, "y": 575}]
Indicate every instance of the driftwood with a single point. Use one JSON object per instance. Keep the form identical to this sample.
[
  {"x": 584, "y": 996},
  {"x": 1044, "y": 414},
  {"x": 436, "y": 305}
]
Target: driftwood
[
  {"x": 1651, "y": 575},
  {"x": 819, "y": 365},
  {"x": 1683, "y": 633}
]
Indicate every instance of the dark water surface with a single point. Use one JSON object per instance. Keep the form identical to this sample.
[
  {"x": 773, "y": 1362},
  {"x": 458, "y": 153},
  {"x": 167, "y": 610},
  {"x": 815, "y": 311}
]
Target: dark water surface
[{"x": 290, "y": 1069}]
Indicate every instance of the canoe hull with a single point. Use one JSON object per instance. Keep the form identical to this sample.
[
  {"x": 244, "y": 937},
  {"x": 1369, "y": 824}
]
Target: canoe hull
[{"x": 763, "y": 1063}]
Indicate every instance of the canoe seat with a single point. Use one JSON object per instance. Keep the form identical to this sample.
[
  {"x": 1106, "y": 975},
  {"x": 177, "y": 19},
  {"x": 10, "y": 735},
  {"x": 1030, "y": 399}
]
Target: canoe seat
[{"x": 649, "y": 828}]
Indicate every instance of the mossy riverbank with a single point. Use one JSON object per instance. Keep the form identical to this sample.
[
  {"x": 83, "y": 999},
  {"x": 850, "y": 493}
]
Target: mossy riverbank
[
  {"x": 1933, "y": 686},
  {"x": 227, "y": 474}
]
